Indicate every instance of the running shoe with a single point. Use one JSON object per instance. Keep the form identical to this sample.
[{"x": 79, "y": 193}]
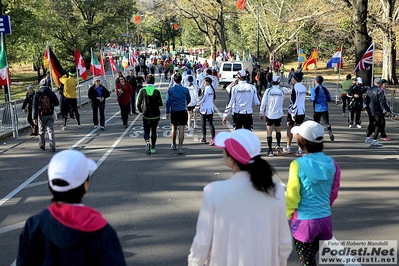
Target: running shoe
[
  {"x": 102, "y": 128},
  {"x": 79, "y": 127},
  {"x": 202, "y": 140},
  {"x": 63, "y": 128},
  {"x": 352, "y": 126},
  {"x": 367, "y": 140},
  {"x": 278, "y": 151},
  {"x": 358, "y": 126},
  {"x": 331, "y": 135},
  {"x": 375, "y": 142},
  {"x": 95, "y": 126},
  {"x": 148, "y": 148},
  {"x": 174, "y": 147},
  {"x": 299, "y": 154},
  {"x": 385, "y": 139},
  {"x": 153, "y": 151},
  {"x": 180, "y": 151},
  {"x": 270, "y": 153},
  {"x": 287, "y": 150},
  {"x": 211, "y": 143}
]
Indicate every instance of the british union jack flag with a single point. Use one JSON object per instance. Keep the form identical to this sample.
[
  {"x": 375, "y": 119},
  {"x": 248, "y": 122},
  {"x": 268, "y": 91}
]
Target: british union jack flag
[{"x": 367, "y": 59}]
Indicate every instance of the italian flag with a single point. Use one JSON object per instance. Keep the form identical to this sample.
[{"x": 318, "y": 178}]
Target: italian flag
[
  {"x": 4, "y": 74},
  {"x": 80, "y": 64},
  {"x": 95, "y": 66}
]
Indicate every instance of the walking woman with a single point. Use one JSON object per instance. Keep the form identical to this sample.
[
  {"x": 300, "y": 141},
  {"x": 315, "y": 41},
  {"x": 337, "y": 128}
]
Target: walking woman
[
  {"x": 313, "y": 183},
  {"x": 124, "y": 93},
  {"x": 242, "y": 219},
  {"x": 205, "y": 106},
  {"x": 97, "y": 94}
]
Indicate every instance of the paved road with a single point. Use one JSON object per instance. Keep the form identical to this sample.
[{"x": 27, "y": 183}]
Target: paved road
[{"x": 153, "y": 201}]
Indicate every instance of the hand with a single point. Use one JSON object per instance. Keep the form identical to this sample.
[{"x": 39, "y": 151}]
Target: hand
[
  {"x": 168, "y": 116},
  {"x": 261, "y": 117},
  {"x": 224, "y": 121},
  {"x": 25, "y": 110},
  {"x": 293, "y": 118},
  {"x": 35, "y": 121},
  {"x": 356, "y": 95},
  {"x": 387, "y": 114}
]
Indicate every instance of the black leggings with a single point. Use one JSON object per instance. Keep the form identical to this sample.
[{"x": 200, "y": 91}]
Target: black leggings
[
  {"x": 150, "y": 125},
  {"x": 307, "y": 252},
  {"x": 208, "y": 117}
]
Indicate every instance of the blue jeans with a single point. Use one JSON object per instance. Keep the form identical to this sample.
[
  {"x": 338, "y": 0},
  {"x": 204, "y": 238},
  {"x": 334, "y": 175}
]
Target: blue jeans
[{"x": 46, "y": 122}]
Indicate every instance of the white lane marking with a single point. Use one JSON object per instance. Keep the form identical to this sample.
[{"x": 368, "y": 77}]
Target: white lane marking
[
  {"x": 221, "y": 116},
  {"x": 12, "y": 227},
  {"x": 37, "y": 184},
  {"x": 37, "y": 174}
]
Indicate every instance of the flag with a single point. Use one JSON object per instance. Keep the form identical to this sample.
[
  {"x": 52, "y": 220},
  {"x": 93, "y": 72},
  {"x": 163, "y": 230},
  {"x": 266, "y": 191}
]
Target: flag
[
  {"x": 102, "y": 69},
  {"x": 301, "y": 56},
  {"x": 80, "y": 64},
  {"x": 367, "y": 59},
  {"x": 51, "y": 62},
  {"x": 112, "y": 62},
  {"x": 137, "y": 19},
  {"x": 240, "y": 4},
  {"x": 175, "y": 26},
  {"x": 95, "y": 66},
  {"x": 4, "y": 73},
  {"x": 336, "y": 60},
  {"x": 311, "y": 60}
]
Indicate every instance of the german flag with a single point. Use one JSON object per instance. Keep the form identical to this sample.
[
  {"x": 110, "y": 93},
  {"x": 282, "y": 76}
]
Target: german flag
[{"x": 51, "y": 63}]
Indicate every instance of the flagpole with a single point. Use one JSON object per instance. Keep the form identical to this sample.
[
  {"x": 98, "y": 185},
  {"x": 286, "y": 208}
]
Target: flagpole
[
  {"x": 91, "y": 63},
  {"x": 13, "y": 123},
  {"x": 372, "y": 70}
]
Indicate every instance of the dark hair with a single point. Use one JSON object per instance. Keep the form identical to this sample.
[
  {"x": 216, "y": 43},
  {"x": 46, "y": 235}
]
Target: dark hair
[
  {"x": 319, "y": 79},
  {"x": 177, "y": 78},
  {"x": 261, "y": 173},
  {"x": 349, "y": 76},
  {"x": 310, "y": 147},
  {"x": 150, "y": 79},
  {"x": 72, "y": 196}
]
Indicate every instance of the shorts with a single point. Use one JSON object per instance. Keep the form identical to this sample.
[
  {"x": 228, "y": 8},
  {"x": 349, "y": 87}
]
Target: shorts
[
  {"x": 243, "y": 121},
  {"x": 179, "y": 118},
  {"x": 298, "y": 120},
  {"x": 274, "y": 122},
  {"x": 190, "y": 108},
  {"x": 308, "y": 231}
]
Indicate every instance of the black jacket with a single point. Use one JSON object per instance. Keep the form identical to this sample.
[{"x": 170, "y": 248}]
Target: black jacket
[
  {"x": 28, "y": 102},
  {"x": 148, "y": 102},
  {"x": 356, "y": 103},
  {"x": 51, "y": 95},
  {"x": 93, "y": 94},
  {"x": 376, "y": 102}
]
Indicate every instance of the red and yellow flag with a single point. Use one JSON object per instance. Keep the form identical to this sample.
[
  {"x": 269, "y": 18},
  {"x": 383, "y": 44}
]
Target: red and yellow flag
[
  {"x": 51, "y": 62},
  {"x": 311, "y": 60},
  {"x": 240, "y": 4}
]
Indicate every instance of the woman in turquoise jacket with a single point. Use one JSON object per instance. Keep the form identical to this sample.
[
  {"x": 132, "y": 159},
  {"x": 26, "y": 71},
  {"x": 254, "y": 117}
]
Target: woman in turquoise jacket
[{"x": 313, "y": 184}]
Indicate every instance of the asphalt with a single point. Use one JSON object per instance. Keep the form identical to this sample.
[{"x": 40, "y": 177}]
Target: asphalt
[{"x": 153, "y": 201}]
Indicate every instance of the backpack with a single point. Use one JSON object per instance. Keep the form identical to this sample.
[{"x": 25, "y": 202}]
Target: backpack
[{"x": 45, "y": 106}]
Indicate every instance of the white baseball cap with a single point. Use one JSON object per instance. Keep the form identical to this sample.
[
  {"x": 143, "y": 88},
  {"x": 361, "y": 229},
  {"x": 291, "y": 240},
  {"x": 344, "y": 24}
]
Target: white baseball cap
[
  {"x": 70, "y": 166},
  {"x": 241, "y": 73},
  {"x": 310, "y": 130},
  {"x": 276, "y": 79},
  {"x": 360, "y": 80},
  {"x": 43, "y": 82},
  {"x": 242, "y": 144}
]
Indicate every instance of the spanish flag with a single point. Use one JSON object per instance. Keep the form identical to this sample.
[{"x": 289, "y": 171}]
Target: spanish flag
[
  {"x": 51, "y": 62},
  {"x": 311, "y": 60}
]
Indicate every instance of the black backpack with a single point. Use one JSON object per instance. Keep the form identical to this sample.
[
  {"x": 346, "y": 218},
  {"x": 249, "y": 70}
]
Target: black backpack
[{"x": 45, "y": 107}]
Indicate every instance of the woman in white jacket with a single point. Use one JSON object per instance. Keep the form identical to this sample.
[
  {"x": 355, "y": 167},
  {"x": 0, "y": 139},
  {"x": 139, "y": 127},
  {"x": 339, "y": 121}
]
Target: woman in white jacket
[
  {"x": 205, "y": 106},
  {"x": 242, "y": 221},
  {"x": 192, "y": 113}
]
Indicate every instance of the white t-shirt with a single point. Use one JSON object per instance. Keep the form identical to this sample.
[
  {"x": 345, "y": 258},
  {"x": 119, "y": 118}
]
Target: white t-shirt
[
  {"x": 206, "y": 102},
  {"x": 272, "y": 102},
  {"x": 243, "y": 97}
]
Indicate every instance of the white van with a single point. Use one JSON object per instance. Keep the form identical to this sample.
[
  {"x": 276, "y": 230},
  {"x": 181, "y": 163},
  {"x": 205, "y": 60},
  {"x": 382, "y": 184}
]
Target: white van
[{"x": 228, "y": 71}]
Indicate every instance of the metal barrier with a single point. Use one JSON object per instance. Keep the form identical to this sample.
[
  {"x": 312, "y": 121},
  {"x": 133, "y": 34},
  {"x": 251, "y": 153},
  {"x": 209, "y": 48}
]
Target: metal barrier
[{"x": 13, "y": 119}]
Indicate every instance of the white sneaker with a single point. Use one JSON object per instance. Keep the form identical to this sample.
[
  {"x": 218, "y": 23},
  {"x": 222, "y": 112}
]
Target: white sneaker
[
  {"x": 375, "y": 142},
  {"x": 343, "y": 114},
  {"x": 95, "y": 126},
  {"x": 358, "y": 126},
  {"x": 63, "y": 128},
  {"x": 174, "y": 147},
  {"x": 287, "y": 150},
  {"x": 79, "y": 127},
  {"x": 180, "y": 151}
]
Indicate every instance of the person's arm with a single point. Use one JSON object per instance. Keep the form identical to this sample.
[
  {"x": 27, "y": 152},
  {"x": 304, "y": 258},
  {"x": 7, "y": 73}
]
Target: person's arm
[
  {"x": 312, "y": 94},
  {"x": 168, "y": 105},
  {"x": 328, "y": 96},
  {"x": 105, "y": 92},
  {"x": 255, "y": 98},
  {"x": 201, "y": 246},
  {"x": 383, "y": 101},
  {"x": 336, "y": 184},
  {"x": 139, "y": 101},
  {"x": 292, "y": 195},
  {"x": 263, "y": 104},
  {"x": 54, "y": 99}
]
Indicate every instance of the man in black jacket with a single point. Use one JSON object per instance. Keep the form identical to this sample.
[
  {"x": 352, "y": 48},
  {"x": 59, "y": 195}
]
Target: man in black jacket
[
  {"x": 43, "y": 114},
  {"x": 27, "y": 108},
  {"x": 376, "y": 108},
  {"x": 355, "y": 93},
  {"x": 133, "y": 83}
]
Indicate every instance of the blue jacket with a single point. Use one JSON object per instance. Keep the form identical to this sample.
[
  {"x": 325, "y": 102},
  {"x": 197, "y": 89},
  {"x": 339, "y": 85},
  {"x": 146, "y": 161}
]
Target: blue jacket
[
  {"x": 177, "y": 99},
  {"x": 320, "y": 101}
]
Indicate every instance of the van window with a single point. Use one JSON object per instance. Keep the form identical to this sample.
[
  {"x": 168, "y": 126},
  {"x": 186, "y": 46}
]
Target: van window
[
  {"x": 237, "y": 67},
  {"x": 226, "y": 67}
]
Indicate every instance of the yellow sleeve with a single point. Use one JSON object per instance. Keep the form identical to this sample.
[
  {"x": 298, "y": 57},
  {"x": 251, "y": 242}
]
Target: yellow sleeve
[{"x": 293, "y": 196}]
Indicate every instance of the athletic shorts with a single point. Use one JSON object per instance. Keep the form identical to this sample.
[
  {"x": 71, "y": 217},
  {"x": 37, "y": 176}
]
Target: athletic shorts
[
  {"x": 298, "y": 120},
  {"x": 190, "y": 108},
  {"x": 179, "y": 118},
  {"x": 308, "y": 231},
  {"x": 274, "y": 122}
]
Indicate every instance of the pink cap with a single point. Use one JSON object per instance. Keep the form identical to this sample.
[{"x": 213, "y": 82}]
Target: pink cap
[{"x": 242, "y": 144}]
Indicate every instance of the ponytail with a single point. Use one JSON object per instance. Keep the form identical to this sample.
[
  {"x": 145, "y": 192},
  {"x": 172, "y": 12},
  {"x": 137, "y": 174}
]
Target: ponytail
[{"x": 261, "y": 174}]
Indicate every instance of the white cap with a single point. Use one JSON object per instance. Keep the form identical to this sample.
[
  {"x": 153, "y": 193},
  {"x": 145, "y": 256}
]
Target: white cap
[
  {"x": 359, "y": 79},
  {"x": 242, "y": 144},
  {"x": 241, "y": 73},
  {"x": 276, "y": 79},
  {"x": 71, "y": 166},
  {"x": 310, "y": 130},
  {"x": 42, "y": 82}
]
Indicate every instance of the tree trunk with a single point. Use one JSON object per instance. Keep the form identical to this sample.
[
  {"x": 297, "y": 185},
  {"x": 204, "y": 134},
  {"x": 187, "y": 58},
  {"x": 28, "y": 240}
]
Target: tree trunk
[
  {"x": 388, "y": 44},
  {"x": 361, "y": 39}
]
